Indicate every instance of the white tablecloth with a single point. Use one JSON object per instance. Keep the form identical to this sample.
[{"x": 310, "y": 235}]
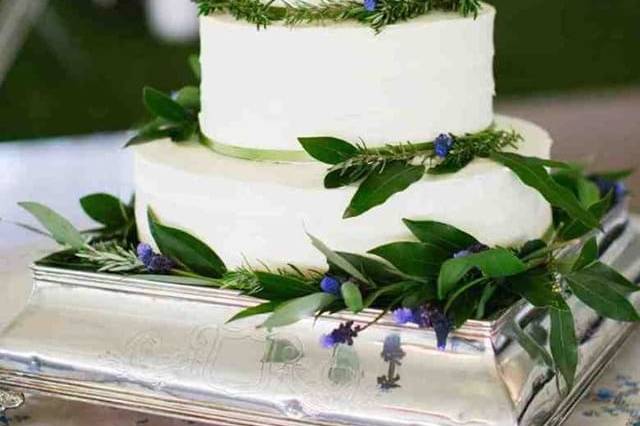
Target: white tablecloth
[{"x": 58, "y": 172}]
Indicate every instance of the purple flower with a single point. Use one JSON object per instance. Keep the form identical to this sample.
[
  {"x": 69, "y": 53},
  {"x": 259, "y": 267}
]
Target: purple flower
[
  {"x": 370, "y": 5},
  {"x": 425, "y": 317},
  {"x": 155, "y": 263},
  {"x": 330, "y": 285},
  {"x": 402, "y": 316},
  {"x": 145, "y": 253},
  {"x": 606, "y": 186},
  {"x": 443, "y": 144},
  {"x": 345, "y": 333},
  {"x": 160, "y": 264}
]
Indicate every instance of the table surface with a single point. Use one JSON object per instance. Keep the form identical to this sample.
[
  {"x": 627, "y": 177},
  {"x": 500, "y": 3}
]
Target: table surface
[{"x": 58, "y": 172}]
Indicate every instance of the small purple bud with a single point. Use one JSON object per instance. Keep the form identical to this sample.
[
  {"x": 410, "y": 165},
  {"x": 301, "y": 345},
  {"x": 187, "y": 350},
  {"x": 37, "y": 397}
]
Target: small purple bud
[
  {"x": 327, "y": 341},
  {"x": 330, "y": 285},
  {"x": 392, "y": 348},
  {"x": 443, "y": 144},
  {"x": 370, "y": 5},
  {"x": 145, "y": 253},
  {"x": 160, "y": 264}
]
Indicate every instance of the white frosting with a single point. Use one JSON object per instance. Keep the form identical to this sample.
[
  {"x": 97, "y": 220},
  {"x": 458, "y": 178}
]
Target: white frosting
[
  {"x": 260, "y": 210},
  {"x": 414, "y": 80}
]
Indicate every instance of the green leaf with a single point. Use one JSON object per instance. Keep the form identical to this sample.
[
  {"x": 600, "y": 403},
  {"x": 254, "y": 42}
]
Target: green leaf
[
  {"x": 263, "y": 308},
  {"x": 339, "y": 178},
  {"x": 186, "y": 249},
  {"x": 327, "y": 149},
  {"x": 277, "y": 287},
  {"x": 532, "y": 173},
  {"x": 439, "y": 234},
  {"x": 150, "y": 135},
  {"x": 297, "y": 309},
  {"x": 615, "y": 175},
  {"x": 588, "y": 192},
  {"x": 194, "y": 64},
  {"x": 392, "y": 289},
  {"x": 106, "y": 209},
  {"x": 60, "y": 228},
  {"x": 536, "y": 287},
  {"x": 379, "y": 186},
  {"x": 597, "y": 292},
  {"x": 493, "y": 263},
  {"x": 352, "y": 297},
  {"x": 189, "y": 97},
  {"x": 415, "y": 259},
  {"x": 162, "y": 105},
  {"x": 338, "y": 260},
  {"x": 575, "y": 229},
  {"x": 420, "y": 295},
  {"x": 600, "y": 271},
  {"x": 563, "y": 343},
  {"x": 588, "y": 254},
  {"x": 372, "y": 269}
]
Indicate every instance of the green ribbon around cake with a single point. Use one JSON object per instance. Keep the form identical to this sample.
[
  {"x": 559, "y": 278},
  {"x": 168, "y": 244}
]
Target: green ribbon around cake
[{"x": 255, "y": 154}]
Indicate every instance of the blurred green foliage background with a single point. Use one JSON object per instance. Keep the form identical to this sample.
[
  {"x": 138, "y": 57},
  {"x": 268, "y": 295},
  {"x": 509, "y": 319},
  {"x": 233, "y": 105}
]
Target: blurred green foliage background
[{"x": 94, "y": 84}]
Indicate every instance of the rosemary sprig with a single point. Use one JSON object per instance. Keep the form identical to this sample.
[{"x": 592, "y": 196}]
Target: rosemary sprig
[
  {"x": 386, "y": 12},
  {"x": 111, "y": 256}
]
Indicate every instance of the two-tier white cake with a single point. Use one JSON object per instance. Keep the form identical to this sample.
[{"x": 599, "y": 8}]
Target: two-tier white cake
[{"x": 264, "y": 88}]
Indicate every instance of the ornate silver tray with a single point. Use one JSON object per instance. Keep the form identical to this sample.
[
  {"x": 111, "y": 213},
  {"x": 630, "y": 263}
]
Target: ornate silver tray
[{"x": 166, "y": 349}]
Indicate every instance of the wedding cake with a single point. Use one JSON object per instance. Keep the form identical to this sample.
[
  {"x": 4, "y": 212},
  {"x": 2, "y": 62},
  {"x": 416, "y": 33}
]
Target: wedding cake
[{"x": 253, "y": 192}]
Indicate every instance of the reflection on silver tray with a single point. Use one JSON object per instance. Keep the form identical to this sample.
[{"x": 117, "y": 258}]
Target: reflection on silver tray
[{"x": 166, "y": 349}]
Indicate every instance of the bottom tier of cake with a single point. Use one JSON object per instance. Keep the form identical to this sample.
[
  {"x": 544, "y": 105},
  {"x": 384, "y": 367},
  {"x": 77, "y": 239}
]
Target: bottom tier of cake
[{"x": 251, "y": 211}]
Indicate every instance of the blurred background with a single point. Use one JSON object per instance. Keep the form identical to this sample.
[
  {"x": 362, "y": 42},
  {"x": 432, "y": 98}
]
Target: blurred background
[{"x": 78, "y": 66}]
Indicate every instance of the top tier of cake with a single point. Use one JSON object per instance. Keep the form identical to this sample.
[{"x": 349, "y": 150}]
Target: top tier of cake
[{"x": 262, "y": 89}]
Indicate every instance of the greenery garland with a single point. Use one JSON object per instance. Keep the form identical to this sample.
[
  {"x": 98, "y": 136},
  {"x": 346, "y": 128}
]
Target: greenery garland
[
  {"x": 374, "y": 13},
  {"x": 439, "y": 279}
]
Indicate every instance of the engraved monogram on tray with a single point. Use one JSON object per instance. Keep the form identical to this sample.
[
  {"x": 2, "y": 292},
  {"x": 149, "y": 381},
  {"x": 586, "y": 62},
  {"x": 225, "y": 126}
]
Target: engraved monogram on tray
[{"x": 239, "y": 362}]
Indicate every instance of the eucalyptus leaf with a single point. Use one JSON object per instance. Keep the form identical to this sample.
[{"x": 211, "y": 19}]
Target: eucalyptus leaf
[
  {"x": 278, "y": 287},
  {"x": 379, "y": 186},
  {"x": 532, "y": 172},
  {"x": 420, "y": 295},
  {"x": 338, "y": 260},
  {"x": 494, "y": 263},
  {"x": 263, "y": 308},
  {"x": 327, "y": 149},
  {"x": 352, "y": 297},
  {"x": 60, "y": 228},
  {"x": 603, "y": 272},
  {"x": 536, "y": 287},
  {"x": 151, "y": 135},
  {"x": 189, "y": 97},
  {"x": 415, "y": 259},
  {"x": 440, "y": 234},
  {"x": 575, "y": 229},
  {"x": 588, "y": 254},
  {"x": 563, "y": 343},
  {"x": 372, "y": 269},
  {"x": 339, "y": 178},
  {"x": 588, "y": 192},
  {"x": 297, "y": 309},
  {"x": 161, "y": 105},
  {"x": 106, "y": 209},
  {"x": 616, "y": 175},
  {"x": 597, "y": 292},
  {"x": 186, "y": 249},
  {"x": 194, "y": 64}
]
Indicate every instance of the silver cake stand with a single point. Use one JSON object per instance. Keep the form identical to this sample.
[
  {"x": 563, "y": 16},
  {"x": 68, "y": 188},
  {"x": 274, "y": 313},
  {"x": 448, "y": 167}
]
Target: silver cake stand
[{"x": 166, "y": 349}]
